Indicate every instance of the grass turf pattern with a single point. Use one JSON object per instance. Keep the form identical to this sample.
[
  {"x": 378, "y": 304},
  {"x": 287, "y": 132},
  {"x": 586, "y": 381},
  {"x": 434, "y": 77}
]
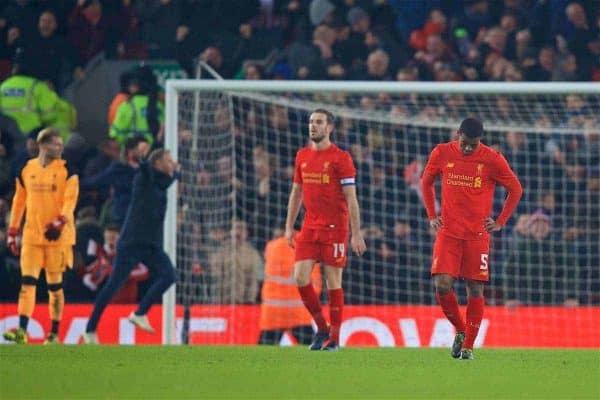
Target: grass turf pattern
[{"x": 151, "y": 372}]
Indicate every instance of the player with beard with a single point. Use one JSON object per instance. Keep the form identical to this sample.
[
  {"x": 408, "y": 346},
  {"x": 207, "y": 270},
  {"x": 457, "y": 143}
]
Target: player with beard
[{"x": 325, "y": 183}]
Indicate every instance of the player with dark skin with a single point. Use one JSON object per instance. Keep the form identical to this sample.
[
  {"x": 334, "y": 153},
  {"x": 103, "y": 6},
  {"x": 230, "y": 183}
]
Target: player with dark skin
[{"x": 470, "y": 171}]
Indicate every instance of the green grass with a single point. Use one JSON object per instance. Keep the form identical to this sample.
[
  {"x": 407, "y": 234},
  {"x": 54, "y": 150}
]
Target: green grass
[{"x": 150, "y": 372}]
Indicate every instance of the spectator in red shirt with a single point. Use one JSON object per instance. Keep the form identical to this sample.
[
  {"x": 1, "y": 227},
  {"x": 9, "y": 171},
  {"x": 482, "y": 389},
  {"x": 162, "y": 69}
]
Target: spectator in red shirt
[{"x": 96, "y": 273}]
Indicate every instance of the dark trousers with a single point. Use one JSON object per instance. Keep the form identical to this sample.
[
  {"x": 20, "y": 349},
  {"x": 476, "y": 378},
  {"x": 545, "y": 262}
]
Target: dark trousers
[
  {"x": 127, "y": 257},
  {"x": 303, "y": 335}
]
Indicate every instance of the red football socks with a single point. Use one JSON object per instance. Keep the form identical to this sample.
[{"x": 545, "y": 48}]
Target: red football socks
[
  {"x": 449, "y": 304},
  {"x": 336, "y": 306},
  {"x": 313, "y": 305},
  {"x": 474, "y": 316}
]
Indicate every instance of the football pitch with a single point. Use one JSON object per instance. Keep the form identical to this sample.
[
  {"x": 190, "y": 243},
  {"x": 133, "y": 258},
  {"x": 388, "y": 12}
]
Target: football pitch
[{"x": 151, "y": 372}]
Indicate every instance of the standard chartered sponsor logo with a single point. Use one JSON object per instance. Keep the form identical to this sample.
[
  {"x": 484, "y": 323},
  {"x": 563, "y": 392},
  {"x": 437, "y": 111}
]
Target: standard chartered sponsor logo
[
  {"x": 315, "y": 177},
  {"x": 463, "y": 180},
  {"x": 460, "y": 177}
]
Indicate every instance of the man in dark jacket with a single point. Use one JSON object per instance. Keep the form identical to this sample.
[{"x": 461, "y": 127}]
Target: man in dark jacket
[
  {"x": 119, "y": 176},
  {"x": 141, "y": 240}
]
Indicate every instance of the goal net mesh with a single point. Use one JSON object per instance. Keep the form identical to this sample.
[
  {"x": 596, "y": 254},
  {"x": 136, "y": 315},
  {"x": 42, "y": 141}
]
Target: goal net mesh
[{"x": 237, "y": 153}]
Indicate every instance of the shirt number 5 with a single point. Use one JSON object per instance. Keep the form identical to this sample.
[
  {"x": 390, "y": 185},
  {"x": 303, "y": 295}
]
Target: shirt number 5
[{"x": 484, "y": 262}]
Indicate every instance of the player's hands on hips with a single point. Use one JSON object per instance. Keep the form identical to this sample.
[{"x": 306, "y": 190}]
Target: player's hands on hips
[
  {"x": 11, "y": 240},
  {"x": 54, "y": 229},
  {"x": 290, "y": 236},
  {"x": 436, "y": 223},
  {"x": 490, "y": 225},
  {"x": 357, "y": 242}
]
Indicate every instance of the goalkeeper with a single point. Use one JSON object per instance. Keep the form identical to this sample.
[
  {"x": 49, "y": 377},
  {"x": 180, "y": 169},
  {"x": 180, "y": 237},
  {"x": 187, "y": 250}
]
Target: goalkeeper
[
  {"x": 47, "y": 189},
  {"x": 141, "y": 240}
]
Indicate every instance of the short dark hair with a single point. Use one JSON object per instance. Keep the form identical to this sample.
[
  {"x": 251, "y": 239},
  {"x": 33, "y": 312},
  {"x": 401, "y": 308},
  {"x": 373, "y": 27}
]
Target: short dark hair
[
  {"x": 157, "y": 155},
  {"x": 46, "y": 135},
  {"x": 329, "y": 114},
  {"x": 132, "y": 142},
  {"x": 113, "y": 227},
  {"x": 471, "y": 128}
]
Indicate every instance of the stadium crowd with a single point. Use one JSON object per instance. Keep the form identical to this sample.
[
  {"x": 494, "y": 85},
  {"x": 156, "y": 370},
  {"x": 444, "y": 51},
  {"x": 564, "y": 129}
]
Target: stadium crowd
[{"x": 548, "y": 253}]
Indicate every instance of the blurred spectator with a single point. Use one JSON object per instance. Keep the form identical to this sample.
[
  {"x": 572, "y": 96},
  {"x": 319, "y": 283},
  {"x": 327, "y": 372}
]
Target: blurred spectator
[
  {"x": 476, "y": 16},
  {"x": 308, "y": 60},
  {"x": 509, "y": 23},
  {"x": 411, "y": 15},
  {"x": 548, "y": 206},
  {"x": 77, "y": 151},
  {"x": 142, "y": 114},
  {"x": 160, "y": 25},
  {"x": 119, "y": 176},
  {"x": 321, "y": 12},
  {"x": 30, "y": 150},
  {"x": 65, "y": 120},
  {"x": 10, "y": 275},
  {"x": 408, "y": 73},
  {"x": 541, "y": 69},
  {"x": 204, "y": 27},
  {"x": 435, "y": 51},
  {"x": 376, "y": 68},
  {"x": 582, "y": 38},
  {"x": 88, "y": 29},
  {"x": 281, "y": 307},
  {"x": 235, "y": 274},
  {"x": 253, "y": 71},
  {"x": 10, "y": 135},
  {"x": 6, "y": 150},
  {"x": 269, "y": 190},
  {"x": 213, "y": 56},
  {"x": 404, "y": 241},
  {"x": 567, "y": 69},
  {"x": 324, "y": 39},
  {"x": 108, "y": 152},
  {"x": 435, "y": 25},
  {"x": 495, "y": 42},
  {"x": 516, "y": 151},
  {"x": 543, "y": 262},
  {"x": 52, "y": 56},
  {"x": 353, "y": 50},
  {"x": 88, "y": 230},
  {"x": 121, "y": 97},
  {"x": 26, "y": 99},
  {"x": 96, "y": 273}
]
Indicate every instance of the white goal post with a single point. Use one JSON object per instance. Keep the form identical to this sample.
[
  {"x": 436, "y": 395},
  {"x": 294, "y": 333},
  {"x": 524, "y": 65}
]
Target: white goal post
[{"x": 434, "y": 91}]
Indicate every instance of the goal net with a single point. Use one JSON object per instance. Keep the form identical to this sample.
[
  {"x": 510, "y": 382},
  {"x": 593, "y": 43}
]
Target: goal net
[{"x": 236, "y": 142}]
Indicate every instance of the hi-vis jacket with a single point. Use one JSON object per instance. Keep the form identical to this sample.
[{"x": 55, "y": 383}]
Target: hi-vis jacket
[
  {"x": 44, "y": 194},
  {"x": 30, "y": 102},
  {"x": 66, "y": 118},
  {"x": 131, "y": 119},
  {"x": 282, "y": 307}
]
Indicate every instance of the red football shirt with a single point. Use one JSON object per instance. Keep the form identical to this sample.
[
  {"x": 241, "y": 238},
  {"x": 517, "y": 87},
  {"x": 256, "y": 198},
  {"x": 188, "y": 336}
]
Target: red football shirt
[
  {"x": 322, "y": 174},
  {"x": 468, "y": 184}
]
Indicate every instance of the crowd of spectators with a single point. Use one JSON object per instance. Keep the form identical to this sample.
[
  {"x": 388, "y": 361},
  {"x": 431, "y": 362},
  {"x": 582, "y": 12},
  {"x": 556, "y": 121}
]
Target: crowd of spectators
[
  {"x": 470, "y": 40},
  {"x": 548, "y": 253}
]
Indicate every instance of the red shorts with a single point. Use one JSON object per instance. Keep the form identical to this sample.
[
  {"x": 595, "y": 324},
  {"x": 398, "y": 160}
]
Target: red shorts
[
  {"x": 467, "y": 259},
  {"x": 328, "y": 246}
]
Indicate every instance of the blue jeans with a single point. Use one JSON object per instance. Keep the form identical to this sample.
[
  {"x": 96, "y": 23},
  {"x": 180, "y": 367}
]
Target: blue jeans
[{"x": 127, "y": 257}]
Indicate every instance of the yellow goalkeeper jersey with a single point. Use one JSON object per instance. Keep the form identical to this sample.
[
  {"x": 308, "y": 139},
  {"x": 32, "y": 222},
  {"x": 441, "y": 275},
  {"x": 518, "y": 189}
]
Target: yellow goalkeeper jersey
[{"x": 43, "y": 194}]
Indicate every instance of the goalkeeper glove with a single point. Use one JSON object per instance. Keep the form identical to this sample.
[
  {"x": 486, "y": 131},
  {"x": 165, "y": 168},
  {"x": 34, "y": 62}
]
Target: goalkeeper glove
[
  {"x": 11, "y": 241},
  {"x": 54, "y": 228}
]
